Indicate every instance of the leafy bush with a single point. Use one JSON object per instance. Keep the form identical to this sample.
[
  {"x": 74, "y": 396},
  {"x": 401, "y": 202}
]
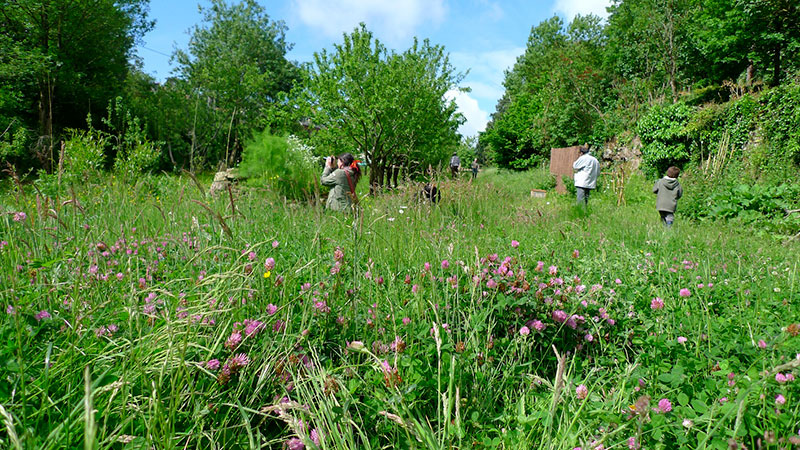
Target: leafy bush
[
  {"x": 664, "y": 137},
  {"x": 542, "y": 178},
  {"x": 716, "y": 93},
  {"x": 13, "y": 144},
  {"x": 782, "y": 121},
  {"x": 84, "y": 154},
  {"x": 285, "y": 163},
  {"x": 752, "y": 204},
  {"x": 135, "y": 153}
]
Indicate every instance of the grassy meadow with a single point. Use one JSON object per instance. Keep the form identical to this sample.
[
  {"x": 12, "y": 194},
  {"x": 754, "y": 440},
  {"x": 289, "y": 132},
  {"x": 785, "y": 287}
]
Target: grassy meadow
[{"x": 141, "y": 314}]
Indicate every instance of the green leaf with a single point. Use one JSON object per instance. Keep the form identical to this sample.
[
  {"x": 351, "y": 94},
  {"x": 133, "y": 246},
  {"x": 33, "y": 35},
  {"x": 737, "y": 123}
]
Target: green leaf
[{"x": 699, "y": 406}]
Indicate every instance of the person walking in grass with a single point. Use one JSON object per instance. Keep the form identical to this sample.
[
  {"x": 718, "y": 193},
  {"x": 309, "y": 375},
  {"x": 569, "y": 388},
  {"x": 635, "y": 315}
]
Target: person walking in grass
[
  {"x": 668, "y": 190},
  {"x": 586, "y": 169},
  {"x": 455, "y": 164},
  {"x": 475, "y": 168},
  {"x": 342, "y": 175}
]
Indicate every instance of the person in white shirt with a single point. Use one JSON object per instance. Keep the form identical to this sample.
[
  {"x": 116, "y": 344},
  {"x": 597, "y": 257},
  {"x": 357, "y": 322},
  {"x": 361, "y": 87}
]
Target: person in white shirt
[{"x": 586, "y": 170}]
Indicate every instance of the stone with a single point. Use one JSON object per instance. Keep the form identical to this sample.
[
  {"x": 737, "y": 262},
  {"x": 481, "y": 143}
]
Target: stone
[{"x": 222, "y": 180}]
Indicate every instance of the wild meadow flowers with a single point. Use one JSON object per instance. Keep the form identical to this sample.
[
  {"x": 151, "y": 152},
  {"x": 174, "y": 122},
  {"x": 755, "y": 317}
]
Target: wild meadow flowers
[{"x": 171, "y": 310}]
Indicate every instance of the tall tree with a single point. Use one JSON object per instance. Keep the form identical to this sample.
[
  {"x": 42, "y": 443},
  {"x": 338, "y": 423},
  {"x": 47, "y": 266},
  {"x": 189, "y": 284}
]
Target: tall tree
[
  {"x": 648, "y": 39},
  {"x": 79, "y": 50},
  {"x": 773, "y": 34},
  {"x": 391, "y": 107},
  {"x": 555, "y": 95},
  {"x": 236, "y": 62}
]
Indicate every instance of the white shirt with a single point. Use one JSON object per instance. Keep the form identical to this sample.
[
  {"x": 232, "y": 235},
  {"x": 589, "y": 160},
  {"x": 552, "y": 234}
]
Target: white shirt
[{"x": 586, "y": 170}]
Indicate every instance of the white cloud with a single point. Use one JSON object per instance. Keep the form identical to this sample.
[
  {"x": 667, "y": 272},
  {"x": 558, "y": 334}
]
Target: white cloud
[
  {"x": 486, "y": 73},
  {"x": 487, "y": 91},
  {"x": 571, "y": 8},
  {"x": 468, "y": 106},
  {"x": 392, "y": 19},
  {"x": 487, "y": 67},
  {"x": 492, "y": 10}
]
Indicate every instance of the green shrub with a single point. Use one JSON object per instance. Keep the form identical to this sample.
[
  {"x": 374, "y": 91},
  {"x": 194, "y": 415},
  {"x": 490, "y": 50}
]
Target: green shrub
[
  {"x": 716, "y": 93},
  {"x": 13, "y": 144},
  {"x": 782, "y": 121},
  {"x": 84, "y": 154},
  {"x": 284, "y": 163},
  {"x": 664, "y": 137},
  {"x": 135, "y": 153},
  {"x": 760, "y": 205},
  {"x": 542, "y": 178}
]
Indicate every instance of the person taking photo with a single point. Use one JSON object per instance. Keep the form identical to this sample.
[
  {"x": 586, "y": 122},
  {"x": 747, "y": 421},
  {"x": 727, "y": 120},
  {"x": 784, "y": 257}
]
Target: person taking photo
[{"x": 341, "y": 175}]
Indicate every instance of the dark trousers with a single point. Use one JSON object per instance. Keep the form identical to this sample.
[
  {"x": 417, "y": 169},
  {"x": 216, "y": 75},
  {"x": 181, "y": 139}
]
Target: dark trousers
[
  {"x": 582, "y": 195},
  {"x": 667, "y": 218},
  {"x": 454, "y": 171}
]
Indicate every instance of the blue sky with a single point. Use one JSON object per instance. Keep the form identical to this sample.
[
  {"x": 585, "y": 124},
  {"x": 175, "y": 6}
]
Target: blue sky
[{"x": 482, "y": 36}]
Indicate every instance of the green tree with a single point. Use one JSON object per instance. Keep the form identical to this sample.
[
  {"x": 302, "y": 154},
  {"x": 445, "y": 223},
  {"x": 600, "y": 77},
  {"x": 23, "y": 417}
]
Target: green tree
[
  {"x": 773, "y": 34},
  {"x": 556, "y": 94},
  {"x": 648, "y": 40},
  {"x": 388, "y": 106},
  {"x": 77, "y": 54},
  {"x": 236, "y": 63}
]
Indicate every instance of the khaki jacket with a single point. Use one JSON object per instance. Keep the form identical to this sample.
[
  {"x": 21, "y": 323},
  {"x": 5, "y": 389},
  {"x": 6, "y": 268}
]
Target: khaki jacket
[{"x": 339, "y": 196}]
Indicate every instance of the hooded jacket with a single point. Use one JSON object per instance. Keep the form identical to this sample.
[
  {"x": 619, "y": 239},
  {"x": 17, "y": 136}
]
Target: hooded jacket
[
  {"x": 668, "y": 191},
  {"x": 586, "y": 170}
]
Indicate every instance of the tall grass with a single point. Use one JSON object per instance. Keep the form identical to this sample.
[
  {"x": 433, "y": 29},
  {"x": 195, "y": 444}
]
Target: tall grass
[{"x": 441, "y": 360}]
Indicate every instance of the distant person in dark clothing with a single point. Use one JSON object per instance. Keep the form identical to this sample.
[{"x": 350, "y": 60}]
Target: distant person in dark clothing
[
  {"x": 455, "y": 164},
  {"x": 475, "y": 168},
  {"x": 430, "y": 193},
  {"x": 668, "y": 191}
]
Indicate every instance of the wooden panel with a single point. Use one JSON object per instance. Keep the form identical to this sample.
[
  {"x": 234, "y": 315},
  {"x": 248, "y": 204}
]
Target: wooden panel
[{"x": 561, "y": 160}]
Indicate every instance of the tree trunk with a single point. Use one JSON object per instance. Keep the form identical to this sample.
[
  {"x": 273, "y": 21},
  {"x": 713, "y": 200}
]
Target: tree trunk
[
  {"x": 46, "y": 92},
  {"x": 776, "y": 66},
  {"x": 395, "y": 173},
  {"x": 375, "y": 177}
]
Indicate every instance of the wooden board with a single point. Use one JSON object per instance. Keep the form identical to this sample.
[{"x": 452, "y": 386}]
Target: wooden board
[{"x": 561, "y": 160}]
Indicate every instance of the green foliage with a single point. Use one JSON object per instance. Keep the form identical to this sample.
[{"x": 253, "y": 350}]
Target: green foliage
[
  {"x": 236, "y": 61},
  {"x": 134, "y": 152},
  {"x": 391, "y": 107},
  {"x": 72, "y": 55},
  {"x": 542, "y": 178},
  {"x": 286, "y": 164},
  {"x": 664, "y": 137},
  {"x": 782, "y": 121},
  {"x": 560, "y": 106},
  {"x": 84, "y": 155},
  {"x": 13, "y": 144},
  {"x": 754, "y": 205}
]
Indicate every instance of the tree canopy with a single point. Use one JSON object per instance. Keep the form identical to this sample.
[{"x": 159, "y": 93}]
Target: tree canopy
[
  {"x": 62, "y": 59},
  {"x": 588, "y": 81},
  {"x": 390, "y": 107},
  {"x": 236, "y": 62}
]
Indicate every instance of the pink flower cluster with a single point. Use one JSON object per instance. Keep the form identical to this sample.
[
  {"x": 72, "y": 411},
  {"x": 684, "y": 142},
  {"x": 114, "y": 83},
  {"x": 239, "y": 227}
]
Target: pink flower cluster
[
  {"x": 107, "y": 331},
  {"x": 248, "y": 328}
]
